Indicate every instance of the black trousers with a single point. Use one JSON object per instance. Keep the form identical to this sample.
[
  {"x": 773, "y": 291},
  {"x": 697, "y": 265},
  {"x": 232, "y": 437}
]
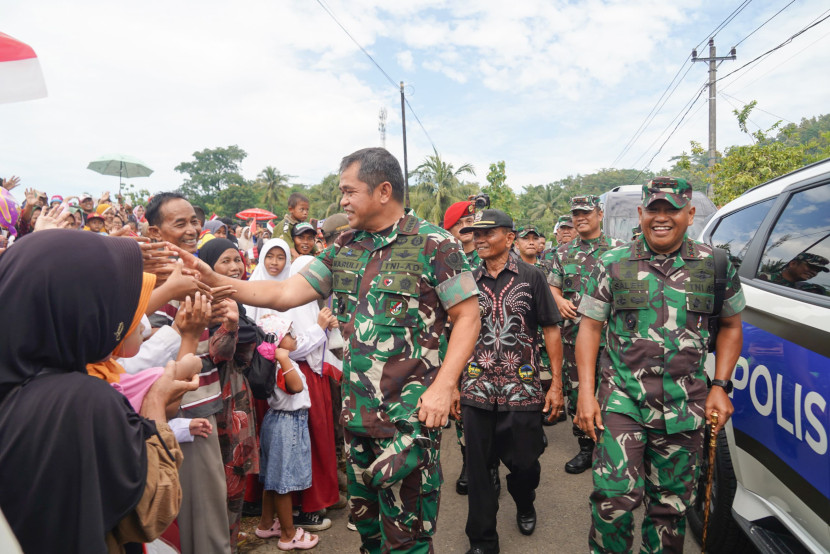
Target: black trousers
[{"x": 515, "y": 438}]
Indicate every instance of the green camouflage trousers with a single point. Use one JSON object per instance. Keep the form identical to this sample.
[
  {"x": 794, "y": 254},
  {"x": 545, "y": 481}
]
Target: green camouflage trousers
[
  {"x": 570, "y": 382},
  {"x": 459, "y": 432},
  {"x": 400, "y": 518},
  {"x": 633, "y": 464}
]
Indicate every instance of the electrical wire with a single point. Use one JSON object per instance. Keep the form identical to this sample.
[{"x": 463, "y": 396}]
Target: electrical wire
[
  {"x": 815, "y": 22},
  {"x": 658, "y": 106},
  {"x": 691, "y": 104},
  {"x": 653, "y": 113},
  {"x": 385, "y": 74},
  {"x": 757, "y": 108},
  {"x": 764, "y": 23}
]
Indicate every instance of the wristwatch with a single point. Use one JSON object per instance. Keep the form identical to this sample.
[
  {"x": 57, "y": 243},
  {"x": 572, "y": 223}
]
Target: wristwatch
[{"x": 723, "y": 383}]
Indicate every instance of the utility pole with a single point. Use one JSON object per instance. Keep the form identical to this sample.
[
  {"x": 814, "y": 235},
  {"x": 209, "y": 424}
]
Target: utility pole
[
  {"x": 382, "y": 127},
  {"x": 405, "y": 166},
  {"x": 713, "y": 71}
]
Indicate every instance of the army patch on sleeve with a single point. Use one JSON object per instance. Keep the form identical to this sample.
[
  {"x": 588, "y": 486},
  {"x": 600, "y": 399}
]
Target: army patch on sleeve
[{"x": 455, "y": 260}]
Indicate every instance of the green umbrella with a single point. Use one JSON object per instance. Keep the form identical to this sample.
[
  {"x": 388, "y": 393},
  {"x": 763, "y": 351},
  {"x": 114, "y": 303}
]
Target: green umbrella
[{"x": 121, "y": 165}]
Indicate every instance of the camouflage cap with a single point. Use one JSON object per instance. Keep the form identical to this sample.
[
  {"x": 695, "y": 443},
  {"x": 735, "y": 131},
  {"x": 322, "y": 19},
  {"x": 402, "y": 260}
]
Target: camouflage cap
[
  {"x": 565, "y": 220},
  {"x": 585, "y": 202},
  {"x": 819, "y": 262},
  {"x": 677, "y": 191},
  {"x": 490, "y": 219},
  {"x": 525, "y": 230}
]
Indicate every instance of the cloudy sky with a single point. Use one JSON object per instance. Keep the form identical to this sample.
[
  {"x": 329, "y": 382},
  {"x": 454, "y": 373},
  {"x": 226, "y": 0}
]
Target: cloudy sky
[{"x": 553, "y": 87}]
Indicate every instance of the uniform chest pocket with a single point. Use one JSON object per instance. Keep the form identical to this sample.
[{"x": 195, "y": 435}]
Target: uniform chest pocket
[
  {"x": 344, "y": 286},
  {"x": 571, "y": 281},
  {"x": 630, "y": 300},
  {"x": 397, "y": 300}
]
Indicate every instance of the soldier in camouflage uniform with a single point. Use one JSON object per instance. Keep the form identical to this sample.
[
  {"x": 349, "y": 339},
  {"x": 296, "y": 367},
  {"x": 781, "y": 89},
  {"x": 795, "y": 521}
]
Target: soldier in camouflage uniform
[
  {"x": 656, "y": 295},
  {"x": 798, "y": 271},
  {"x": 458, "y": 216},
  {"x": 571, "y": 267},
  {"x": 395, "y": 279}
]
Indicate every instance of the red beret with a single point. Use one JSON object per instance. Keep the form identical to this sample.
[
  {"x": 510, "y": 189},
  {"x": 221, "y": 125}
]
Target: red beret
[{"x": 456, "y": 212}]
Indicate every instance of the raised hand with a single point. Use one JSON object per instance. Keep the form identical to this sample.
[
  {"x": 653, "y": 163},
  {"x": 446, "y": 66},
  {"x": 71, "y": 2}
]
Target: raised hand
[{"x": 55, "y": 218}]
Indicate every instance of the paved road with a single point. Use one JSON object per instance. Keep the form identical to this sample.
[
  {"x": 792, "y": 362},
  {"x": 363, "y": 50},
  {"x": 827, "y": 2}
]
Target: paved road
[{"x": 561, "y": 505}]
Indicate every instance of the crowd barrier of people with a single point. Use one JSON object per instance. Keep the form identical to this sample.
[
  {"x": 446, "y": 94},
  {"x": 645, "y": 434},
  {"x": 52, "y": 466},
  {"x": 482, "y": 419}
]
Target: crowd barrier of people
[{"x": 165, "y": 374}]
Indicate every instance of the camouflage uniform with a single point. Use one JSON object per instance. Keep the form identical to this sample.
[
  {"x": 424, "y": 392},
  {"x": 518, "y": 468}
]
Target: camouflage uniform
[
  {"x": 545, "y": 372},
  {"x": 571, "y": 267},
  {"x": 652, "y": 388},
  {"x": 474, "y": 260},
  {"x": 391, "y": 296}
]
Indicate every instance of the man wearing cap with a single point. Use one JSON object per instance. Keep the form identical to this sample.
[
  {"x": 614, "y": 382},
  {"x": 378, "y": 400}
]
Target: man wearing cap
[
  {"x": 526, "y": 239},
  {"x": 458, "y": 216},
  {"x": 333, "y": 225},
  {"x": 565, "y": 231},
  {"x": 396, "y": 279},
  {"x": 501, "y": 393},
  {"x": 571, "y": 267},
  {"x": 87, "y": 204},
  {"x": 653, "y": 298},
  {"x": 303, "y": 235},
  {"x": 797, "y": 271}
]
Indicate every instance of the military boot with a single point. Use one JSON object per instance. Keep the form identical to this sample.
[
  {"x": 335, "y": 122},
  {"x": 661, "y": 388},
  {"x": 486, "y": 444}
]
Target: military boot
[
  {"x": 582, "y": 460},
  {"x": 461, "y": 482}
]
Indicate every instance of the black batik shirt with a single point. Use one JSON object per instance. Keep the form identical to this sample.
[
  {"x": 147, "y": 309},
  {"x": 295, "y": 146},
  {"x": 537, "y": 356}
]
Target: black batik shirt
[{"x": 503, "y": 372}]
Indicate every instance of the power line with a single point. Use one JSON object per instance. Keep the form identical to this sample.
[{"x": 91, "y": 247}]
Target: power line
[
  {"x": 691, "y": 104},
  {"x": 654, "y": 110},
  {"x": 764, "y": 23},
  {"x": 385, "y": 74},
  {"x": 739, "y": 77},
  {"x": 786, "y": 42},
  {"x": 658, "y": 106},
  {"x": 757, "y": 108}
]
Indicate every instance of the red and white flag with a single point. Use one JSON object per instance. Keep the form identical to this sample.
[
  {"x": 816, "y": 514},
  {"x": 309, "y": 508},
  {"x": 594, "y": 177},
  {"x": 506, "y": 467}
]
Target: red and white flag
[
  {"x": 332, "y": 367},
  {"x": 20, "y": 75}
]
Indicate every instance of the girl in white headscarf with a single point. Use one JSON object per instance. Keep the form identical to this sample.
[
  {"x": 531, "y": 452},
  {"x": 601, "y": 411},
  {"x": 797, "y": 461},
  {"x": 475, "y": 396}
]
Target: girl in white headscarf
[
  {"x": 311, "y": 324},
  {"x": 274, "y": 265}
]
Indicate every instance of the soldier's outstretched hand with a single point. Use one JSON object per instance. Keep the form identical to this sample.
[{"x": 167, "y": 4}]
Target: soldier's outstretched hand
[{"x": 588, "y": 415}]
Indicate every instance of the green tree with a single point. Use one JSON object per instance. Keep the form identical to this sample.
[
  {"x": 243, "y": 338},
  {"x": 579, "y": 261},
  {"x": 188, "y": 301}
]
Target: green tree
[
  {"x": 274, "y": 183},
  {"x": 501, "y": 195},
  {"x": 230, "y": 201},
  {"x": 438, "y": 186},
  {"x": 212, "y": 170},
  {"x": 746, "y": 166},
  {"x": 325, "y": 196}
]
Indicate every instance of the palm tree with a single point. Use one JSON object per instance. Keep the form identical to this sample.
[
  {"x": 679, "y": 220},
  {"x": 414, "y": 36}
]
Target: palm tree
[
  {"x": 438, "y": 186},
  {"x": 275, "y": 183}
]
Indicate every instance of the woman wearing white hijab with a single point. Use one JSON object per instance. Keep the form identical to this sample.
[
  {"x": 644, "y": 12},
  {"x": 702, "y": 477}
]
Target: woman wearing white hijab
[
  {"x": 311, "y": 325},
  {"x": 270, "y": 269}
]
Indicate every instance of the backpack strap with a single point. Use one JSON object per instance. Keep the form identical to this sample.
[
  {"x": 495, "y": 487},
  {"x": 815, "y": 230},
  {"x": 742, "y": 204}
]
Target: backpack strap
[{"x": 720, "y": 278}]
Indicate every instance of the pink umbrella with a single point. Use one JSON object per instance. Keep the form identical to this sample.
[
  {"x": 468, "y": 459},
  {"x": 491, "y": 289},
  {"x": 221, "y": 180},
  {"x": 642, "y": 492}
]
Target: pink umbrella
[
  {"x": 256, "y": 213},
  {"x": 20, "y": 74}
]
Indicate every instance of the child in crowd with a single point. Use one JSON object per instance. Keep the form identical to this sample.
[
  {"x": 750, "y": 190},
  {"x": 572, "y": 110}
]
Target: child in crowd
[
  {"x": 298, "y": 205},
  {"x": 95, "y": 223},
  {"x": 285, "y": 443},
  {"x": 274, "y": 265},
  {"x": 304, "y": 236}
]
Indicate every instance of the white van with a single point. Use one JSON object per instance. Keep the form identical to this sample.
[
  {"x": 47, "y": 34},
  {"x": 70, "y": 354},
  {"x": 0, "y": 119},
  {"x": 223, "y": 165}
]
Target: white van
[{"x": 772, "y": 468}]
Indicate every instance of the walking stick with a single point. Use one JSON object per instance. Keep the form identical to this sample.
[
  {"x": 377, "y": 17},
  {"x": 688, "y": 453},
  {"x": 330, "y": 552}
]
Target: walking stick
[{"x": 710, "y": 472}]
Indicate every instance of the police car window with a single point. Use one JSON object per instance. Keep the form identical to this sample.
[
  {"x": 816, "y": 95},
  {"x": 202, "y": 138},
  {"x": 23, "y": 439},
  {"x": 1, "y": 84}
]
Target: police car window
[
  {"x": 797, "y": 254},
  {"x": 735, "y": 231}
]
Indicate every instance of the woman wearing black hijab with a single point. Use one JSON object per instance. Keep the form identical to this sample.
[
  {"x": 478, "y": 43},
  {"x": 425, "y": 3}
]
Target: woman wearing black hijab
[
  {"x": 231, "y": 348},
  {"x": 81, "y": 471}
]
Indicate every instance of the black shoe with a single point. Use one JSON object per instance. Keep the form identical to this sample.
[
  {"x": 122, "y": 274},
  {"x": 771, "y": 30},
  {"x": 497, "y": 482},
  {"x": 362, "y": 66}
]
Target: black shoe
[
  {"x": 494, "y": 477},
  {"x": 526, "y": 521},
  {"x": 582, "y": 460},
  {"x": 461, "y": 482},
  {"x": 546, "y": 422},
  {"x": 312, "y": 521},
  {"x": 562, "y": 417},
  {"x": 476, "y": 550},
  {"x": 544, "y": 439},
  {"x": 252, "y": 509}
]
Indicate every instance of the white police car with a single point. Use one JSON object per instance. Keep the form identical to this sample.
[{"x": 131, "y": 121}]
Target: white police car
[{"x": 772, "y": 469}]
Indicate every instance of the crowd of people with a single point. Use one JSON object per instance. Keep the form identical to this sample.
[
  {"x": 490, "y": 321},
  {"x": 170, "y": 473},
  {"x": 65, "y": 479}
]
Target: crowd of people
[{"x": 169, "y": 374}]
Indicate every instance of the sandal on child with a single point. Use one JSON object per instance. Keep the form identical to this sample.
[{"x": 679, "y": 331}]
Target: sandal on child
[
  {"x": 301, "y": 541},
  {"x": 274, "y": 531}
]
